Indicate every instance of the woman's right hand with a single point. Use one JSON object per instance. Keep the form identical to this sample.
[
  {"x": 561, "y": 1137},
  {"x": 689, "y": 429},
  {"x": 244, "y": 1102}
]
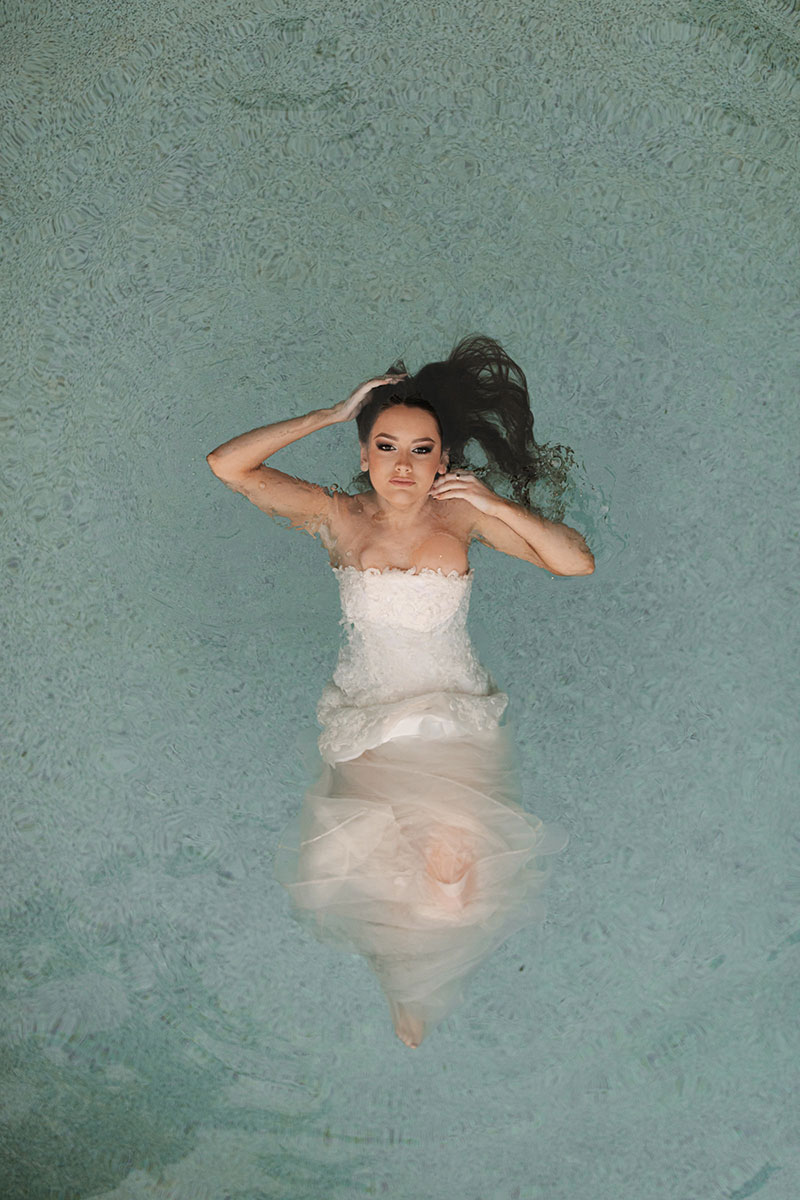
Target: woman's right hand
[{"x": 345, "y": 410}]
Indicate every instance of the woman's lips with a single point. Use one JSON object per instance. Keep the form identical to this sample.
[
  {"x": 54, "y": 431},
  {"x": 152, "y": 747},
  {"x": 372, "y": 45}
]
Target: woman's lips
[{"x": 403, "y": 482}]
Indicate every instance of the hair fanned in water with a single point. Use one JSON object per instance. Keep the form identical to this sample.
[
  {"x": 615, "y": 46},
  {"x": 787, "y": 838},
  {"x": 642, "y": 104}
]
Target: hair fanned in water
[{"x": 478, "y": 393}]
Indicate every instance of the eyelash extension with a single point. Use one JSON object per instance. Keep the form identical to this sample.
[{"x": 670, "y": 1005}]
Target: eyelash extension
[{"x": 388, "y": 445}]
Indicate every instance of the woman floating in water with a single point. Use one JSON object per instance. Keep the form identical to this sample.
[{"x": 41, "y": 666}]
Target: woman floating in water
[{"x": 412, "y": 847}]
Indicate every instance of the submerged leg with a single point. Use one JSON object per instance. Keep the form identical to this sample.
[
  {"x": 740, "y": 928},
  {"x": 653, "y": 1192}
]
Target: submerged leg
[
  {"x": 447, "y": 863},
  {"x": 409, "y": 1029}
]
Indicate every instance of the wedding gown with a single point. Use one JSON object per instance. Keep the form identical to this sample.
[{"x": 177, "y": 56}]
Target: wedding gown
[{"x": 412, "y": 847}]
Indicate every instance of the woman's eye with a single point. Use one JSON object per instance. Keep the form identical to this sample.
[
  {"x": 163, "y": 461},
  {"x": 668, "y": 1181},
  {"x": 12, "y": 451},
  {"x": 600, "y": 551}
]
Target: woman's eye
[{"x": 389, "y": 446}]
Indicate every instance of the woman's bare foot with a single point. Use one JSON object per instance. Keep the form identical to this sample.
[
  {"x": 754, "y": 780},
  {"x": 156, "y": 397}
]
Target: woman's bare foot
[{"x": 408, "y": 1028}]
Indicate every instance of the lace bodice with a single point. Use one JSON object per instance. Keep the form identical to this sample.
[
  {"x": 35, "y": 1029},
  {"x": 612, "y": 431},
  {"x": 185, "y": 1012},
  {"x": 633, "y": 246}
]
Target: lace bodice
[{"x": 407, "y": 656}]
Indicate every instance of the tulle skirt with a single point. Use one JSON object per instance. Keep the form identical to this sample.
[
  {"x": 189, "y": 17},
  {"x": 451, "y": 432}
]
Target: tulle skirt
[{"x": 419, "y": 856}]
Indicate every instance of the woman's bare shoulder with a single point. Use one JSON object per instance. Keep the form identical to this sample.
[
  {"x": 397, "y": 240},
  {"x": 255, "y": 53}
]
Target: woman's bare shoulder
[
  {"x": 344, "y": 515},
  {"x": 346, "y": 505},
  {"x": 460, "y": 516}
]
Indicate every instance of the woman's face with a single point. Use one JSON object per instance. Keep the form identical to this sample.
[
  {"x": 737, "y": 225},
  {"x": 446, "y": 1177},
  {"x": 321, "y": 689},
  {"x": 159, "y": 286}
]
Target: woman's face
[{"x": 404, "y": 444}]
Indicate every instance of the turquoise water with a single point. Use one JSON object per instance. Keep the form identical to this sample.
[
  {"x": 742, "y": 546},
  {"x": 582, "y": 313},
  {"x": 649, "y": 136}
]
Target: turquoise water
[{"x": 217, "y": 215}]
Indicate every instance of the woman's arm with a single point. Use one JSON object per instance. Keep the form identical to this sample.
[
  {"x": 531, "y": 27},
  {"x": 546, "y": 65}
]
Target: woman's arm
[
  {"x": 515, "y": 530},
  {"x": 247, "y": 451},
  {"x": 239, "y": 463},
  {"x": 559, "y": 548}
]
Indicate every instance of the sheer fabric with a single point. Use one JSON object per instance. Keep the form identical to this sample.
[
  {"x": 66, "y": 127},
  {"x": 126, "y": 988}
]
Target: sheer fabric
[{"x": 412, "y": 847}]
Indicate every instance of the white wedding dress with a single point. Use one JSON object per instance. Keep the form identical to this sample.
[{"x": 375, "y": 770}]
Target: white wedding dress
[{"x": 412, "y": 847}]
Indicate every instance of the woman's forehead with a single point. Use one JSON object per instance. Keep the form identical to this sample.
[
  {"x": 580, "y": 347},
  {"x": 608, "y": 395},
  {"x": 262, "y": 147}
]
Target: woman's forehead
[{"x": 398, "y": 421}]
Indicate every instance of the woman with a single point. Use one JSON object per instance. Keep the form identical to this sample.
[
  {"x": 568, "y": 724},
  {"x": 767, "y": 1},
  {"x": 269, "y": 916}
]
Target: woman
[{"x": 412, "y": 847}]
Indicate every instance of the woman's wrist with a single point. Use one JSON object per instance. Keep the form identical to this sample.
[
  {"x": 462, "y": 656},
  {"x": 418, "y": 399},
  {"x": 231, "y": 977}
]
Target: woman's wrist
[
  {"x": 335, "y": 413},
  {"x": 500, "y": 507}
]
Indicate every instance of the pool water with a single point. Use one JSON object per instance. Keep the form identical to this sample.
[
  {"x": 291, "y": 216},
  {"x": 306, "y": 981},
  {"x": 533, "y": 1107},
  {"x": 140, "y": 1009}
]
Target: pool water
[{"x": 218, "y": 215}]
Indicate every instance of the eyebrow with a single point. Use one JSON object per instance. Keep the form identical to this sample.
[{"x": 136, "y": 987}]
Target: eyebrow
[{"x": 394, "y": 439}]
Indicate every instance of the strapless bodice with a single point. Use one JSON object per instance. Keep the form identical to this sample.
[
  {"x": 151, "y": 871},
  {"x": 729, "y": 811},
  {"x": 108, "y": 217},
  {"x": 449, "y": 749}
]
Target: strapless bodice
[
  {"x": 407, "y": 654},
  {"x": 393, "y": 599}
]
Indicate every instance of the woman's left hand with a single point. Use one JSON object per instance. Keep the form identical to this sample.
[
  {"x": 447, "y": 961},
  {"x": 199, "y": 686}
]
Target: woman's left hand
[{"x": 462, "y": 485}]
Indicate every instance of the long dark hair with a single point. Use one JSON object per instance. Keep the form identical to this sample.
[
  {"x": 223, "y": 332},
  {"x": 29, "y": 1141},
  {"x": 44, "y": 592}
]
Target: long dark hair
[{"x": 480, "y": 394}]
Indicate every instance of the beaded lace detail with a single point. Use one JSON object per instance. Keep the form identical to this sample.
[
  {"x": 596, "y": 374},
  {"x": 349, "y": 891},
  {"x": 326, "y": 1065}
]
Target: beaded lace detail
[
  {"x": 407, "y": 653},
  {"x": 407, "y": 571}
]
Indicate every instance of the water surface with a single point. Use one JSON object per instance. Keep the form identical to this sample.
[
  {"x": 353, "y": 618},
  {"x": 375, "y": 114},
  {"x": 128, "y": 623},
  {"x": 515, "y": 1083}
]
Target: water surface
[{"x": 218, "y": 215}]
